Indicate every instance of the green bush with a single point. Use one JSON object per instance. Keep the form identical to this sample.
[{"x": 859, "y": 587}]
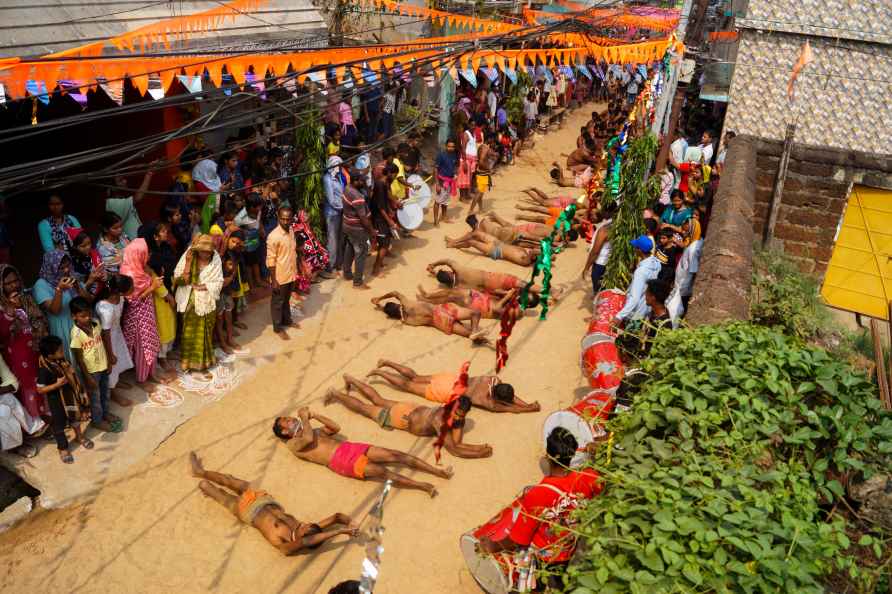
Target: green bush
[
  {"x": 785, "y": 298},
  {"x": 728, "y": 464}
]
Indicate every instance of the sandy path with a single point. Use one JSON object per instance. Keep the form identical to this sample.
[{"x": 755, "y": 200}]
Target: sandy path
[{"x": 153, "y": 531}]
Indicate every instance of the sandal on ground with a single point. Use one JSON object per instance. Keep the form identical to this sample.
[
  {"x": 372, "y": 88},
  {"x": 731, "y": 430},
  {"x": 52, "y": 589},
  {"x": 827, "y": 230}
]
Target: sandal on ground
[
  {"x": 87, "y": 443},
  {"x": 66, "y": 456}
]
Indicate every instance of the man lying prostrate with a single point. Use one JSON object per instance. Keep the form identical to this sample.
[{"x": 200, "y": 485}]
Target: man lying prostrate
[
  {"x": 454, "y": 274},
  {"x": 486, "y": 391},
  {"x": 487, "y": 305},
  {"x": 258, "y": 509},
  {"x": 448, "y": 318},
  {"x": 423, "y": 421},
  {"x": 353, "y": 460}
]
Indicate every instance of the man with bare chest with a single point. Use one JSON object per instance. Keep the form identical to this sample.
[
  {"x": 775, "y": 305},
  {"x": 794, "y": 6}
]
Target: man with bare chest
[
  {"x": 454, "y": 274},
  {"x": 488, "y": 306},
  {"x": 257, "y": 508},
  {"x": 353, "y": 460},
  {"x": 490, "y": 246},
  {"x": 448, "y": 318},
  {"x": 423, "y": 421},
  {"x": 486, "y": 391}
]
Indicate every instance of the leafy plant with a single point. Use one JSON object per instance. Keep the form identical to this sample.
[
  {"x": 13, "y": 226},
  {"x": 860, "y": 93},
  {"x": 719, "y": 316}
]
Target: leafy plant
[
  {"x": 727, "y": 464},
  {"x": 514, "y": 105},
  {"x": 308, "y": 142},
  {"x": 637, "y": 191},
  {"x": 785, "y": 298}
]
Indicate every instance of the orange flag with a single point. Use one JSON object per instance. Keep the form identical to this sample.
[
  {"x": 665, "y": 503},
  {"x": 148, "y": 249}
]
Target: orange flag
[{"x": 805, "y": 57}]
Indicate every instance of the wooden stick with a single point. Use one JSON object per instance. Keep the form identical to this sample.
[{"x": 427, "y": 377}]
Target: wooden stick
[{"x": 882, "y": 378}]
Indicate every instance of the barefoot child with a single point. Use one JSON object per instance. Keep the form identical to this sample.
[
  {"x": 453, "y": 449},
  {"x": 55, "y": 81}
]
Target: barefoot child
[
  {"x": 230, "y": 255},
  {"x": 88, "y": 350},
  {"x": 57, "y": 381},
  {"x": 109, "y": 309}
]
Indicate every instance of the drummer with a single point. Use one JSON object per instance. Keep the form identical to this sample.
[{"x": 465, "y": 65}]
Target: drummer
[
  {"x": 448, "y": 318},
  {"x": 490, "y": 246},
  {"x": 488, "y": 306},
  {"x": 496, "y": 283},
  {"x": 383, "y": 209},
  {"x": 423, "y": 421},
  {"x": 547, "y": 508},
  {"x": 486, "y": 391}
]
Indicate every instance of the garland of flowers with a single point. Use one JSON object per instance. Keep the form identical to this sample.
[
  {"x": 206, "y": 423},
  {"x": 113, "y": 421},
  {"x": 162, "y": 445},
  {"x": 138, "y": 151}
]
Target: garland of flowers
[
  {"x": 458, "y": 390},
  {"x": 508, "y": 319}
]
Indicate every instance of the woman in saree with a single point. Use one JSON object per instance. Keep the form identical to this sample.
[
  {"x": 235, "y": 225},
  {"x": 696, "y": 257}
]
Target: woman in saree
[
  {"x": 55, "y": 289},
  {"x": 312, "y": 255},
  {"x": 198, "y": 278},
  {"x": 139, "y": 323},
  {"x": 22, "y": 325}
]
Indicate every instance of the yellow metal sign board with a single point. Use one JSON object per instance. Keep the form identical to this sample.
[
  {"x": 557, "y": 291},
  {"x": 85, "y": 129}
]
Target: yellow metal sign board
[{"x": 859, "y": 276}]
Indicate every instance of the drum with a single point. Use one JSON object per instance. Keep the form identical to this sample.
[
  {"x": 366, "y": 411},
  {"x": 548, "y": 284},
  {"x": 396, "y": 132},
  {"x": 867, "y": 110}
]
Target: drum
[
  {"x": 423, "y": 195},
  {"x": 583, "y": 420},
  {"x": 607, "y": 304},
  {"x": 601, "y": 364},
  {"x": 486, "y": 571},
  {"x": 410, "y": 215}
]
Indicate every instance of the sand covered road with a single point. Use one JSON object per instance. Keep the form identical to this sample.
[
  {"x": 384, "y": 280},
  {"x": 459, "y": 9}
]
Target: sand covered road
[{"x": 152, "y": 530}]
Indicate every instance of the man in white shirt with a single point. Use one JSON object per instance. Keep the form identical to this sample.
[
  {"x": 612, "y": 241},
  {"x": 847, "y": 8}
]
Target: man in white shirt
[
  {"x": 706, "y": 146},
  {"x": 685, "y": 271},
  {"x": 492, "y": 103},
  {"x": 648, "y": 268}
]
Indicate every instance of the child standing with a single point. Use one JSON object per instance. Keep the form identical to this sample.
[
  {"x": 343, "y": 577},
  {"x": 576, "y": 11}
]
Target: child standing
[
  {"x": 109, "y": 309},
  {"x": 57, "y": 381},
  {"x": 230, "y": 255},
  {"x": 88, "y": 350}
]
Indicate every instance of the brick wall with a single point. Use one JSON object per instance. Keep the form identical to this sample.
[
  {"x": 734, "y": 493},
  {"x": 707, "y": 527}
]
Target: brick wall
[
  {"x": 813, "y": 201},
  {"x": 815, "y": 193}
]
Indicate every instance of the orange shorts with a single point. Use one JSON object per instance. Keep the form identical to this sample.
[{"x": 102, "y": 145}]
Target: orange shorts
[{"x": 440, "y": 387}]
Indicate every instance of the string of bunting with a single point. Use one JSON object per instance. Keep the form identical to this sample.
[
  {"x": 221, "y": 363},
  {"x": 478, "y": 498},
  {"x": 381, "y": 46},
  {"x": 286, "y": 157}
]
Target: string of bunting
[
  {"x": 544, "y": 261},
  {"x": 15, "y": 74},
  {"x": 609, "y": 17},
  {"x": 458, "y": 390}
]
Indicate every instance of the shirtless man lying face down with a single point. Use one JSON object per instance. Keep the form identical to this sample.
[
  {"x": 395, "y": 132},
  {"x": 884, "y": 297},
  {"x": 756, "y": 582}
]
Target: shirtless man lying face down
[
  {"x": 257, "y": 508},
  {"x": 448, "y": 318},
  {"x": 423, "y": 421},
  {"x": 485, "y": 391},
  {"x": 353, "y": 460}
]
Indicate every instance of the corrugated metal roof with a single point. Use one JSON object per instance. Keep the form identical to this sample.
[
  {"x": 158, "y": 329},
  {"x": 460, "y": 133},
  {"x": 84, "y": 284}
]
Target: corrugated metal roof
[
  {"x": 863, "y": 20},
  {"x": 38, "y": 27}
]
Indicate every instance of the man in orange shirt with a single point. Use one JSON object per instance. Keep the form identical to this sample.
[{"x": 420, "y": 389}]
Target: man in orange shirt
[{"x": 281, "y": 259}]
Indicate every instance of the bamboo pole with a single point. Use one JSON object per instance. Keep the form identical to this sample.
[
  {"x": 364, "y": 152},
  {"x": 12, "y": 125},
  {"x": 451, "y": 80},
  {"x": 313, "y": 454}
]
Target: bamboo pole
[{"x": 882, "y": 377}]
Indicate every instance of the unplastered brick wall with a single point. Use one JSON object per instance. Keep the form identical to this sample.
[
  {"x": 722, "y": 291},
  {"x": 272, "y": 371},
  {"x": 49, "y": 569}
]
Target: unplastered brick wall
[
  {"x": 814, "y": 197},
  {"x": 813, "y": 201}
]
